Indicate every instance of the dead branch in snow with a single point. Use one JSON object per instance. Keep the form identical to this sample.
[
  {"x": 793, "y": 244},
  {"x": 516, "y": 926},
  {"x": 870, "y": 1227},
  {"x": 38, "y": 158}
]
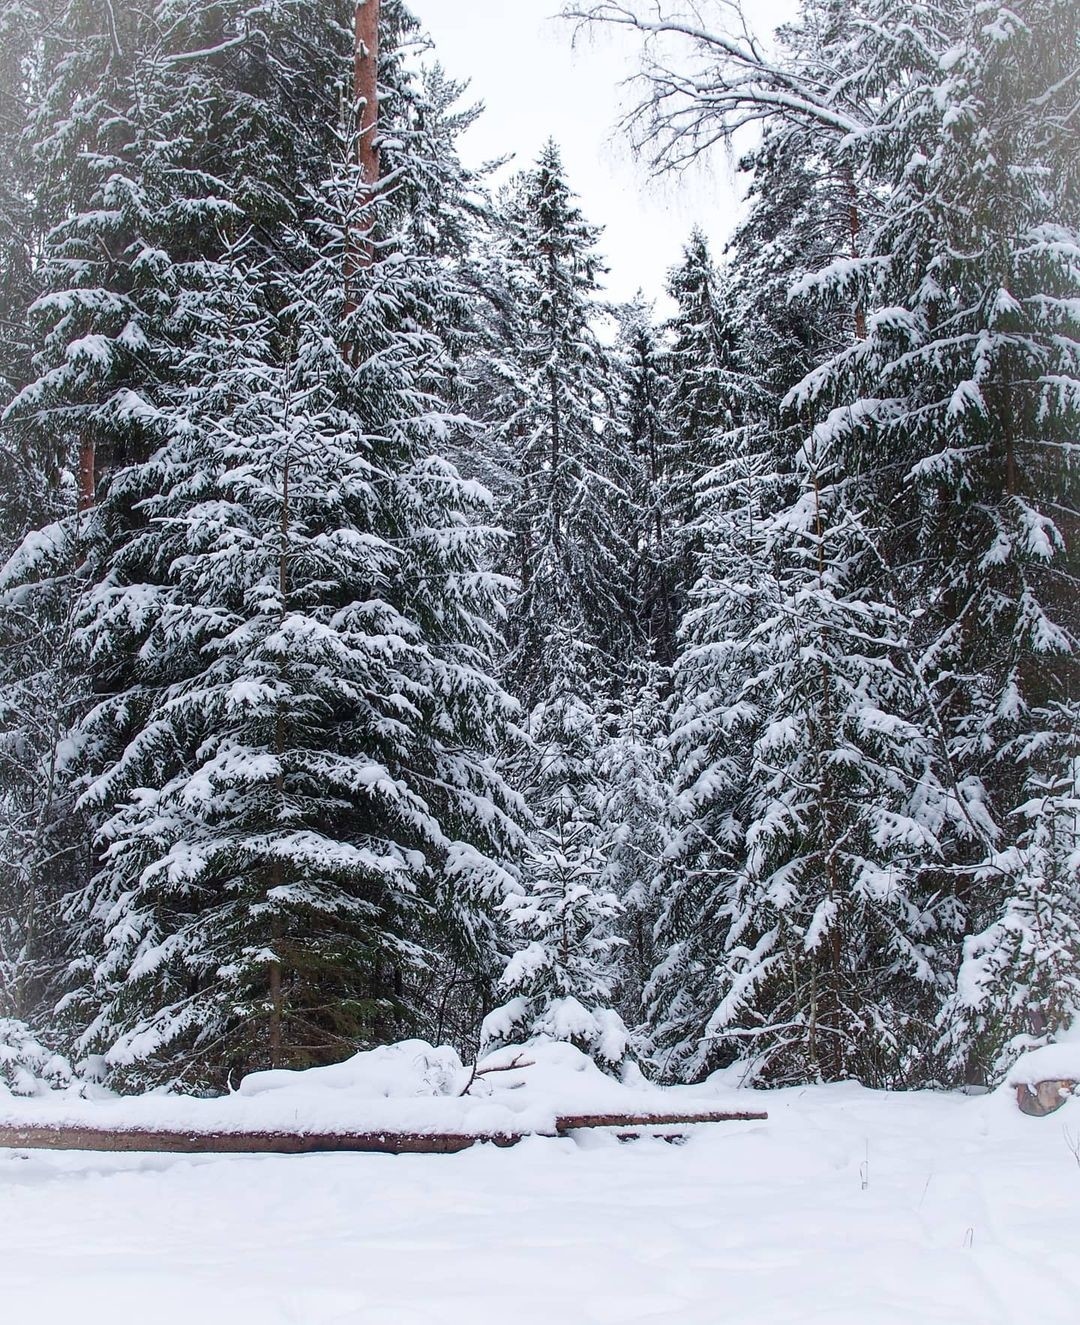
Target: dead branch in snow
[{"x": 498, "y": 1067}]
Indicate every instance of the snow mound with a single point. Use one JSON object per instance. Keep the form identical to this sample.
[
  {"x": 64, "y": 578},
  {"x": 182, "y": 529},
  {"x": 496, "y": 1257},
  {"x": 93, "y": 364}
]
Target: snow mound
[
  {"x": 407, "y": 1070},
  {"x": 1053, "y": 1062},
  {"x": 563, "y": 1077},
  {"x": 543, "y": 1078},
  {"x": 600, "y": 1031}
]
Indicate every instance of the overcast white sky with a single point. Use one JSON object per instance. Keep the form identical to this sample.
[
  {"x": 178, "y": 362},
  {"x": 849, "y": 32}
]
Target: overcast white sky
[{"x": 535, "y": 83}]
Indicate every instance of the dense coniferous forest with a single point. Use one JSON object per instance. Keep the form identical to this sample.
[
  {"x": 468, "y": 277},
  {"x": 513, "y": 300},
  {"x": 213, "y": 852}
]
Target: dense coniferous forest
[{"x": 398, "y": 639}]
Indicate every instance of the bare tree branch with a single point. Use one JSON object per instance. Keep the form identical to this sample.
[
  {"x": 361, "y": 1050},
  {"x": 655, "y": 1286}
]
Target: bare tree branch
[{"x": 716, "y": 82}]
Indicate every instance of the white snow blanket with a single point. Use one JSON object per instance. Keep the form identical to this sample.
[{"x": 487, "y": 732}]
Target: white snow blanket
[
  {"x": 848, "y": 1207},
  {"x": 1053, "y": 1062},
  {"x": 407, "y": 1087}
]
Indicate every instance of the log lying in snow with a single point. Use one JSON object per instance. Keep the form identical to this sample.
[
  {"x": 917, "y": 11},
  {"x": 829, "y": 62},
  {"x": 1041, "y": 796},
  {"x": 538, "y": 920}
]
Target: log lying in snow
[
  {"x": 572, "y": 1121},
  {"x": 44, "y": 1137},
  {"x": 115, "y": 1139}
]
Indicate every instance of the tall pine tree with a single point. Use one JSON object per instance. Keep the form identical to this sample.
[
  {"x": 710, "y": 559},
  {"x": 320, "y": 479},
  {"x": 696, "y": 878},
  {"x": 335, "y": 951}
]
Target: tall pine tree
[{"x": 571, "y": 627}]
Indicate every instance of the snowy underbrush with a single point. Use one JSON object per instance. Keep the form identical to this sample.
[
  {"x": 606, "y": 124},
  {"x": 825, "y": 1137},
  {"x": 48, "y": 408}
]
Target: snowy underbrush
[{"x": 27, "y": 1067}]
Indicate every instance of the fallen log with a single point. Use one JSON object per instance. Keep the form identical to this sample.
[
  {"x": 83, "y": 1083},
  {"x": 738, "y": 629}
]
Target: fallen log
[
  {"x": 571, "y": 1122},
  {"x": 135, "y": 1139},
  {"x": 42, "y": 1136}
]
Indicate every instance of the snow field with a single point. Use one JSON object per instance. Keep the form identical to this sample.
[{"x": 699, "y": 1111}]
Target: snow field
[{"x": 849, "y": 1207}]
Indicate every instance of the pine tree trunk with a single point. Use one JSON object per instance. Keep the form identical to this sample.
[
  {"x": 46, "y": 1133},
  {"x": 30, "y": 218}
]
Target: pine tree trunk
[
  {"x": 366, "y": 87},
  {"x": 360, "y": 250},
  {"x": 87, "y": 471},
  {"x": 854, "y": 229}
]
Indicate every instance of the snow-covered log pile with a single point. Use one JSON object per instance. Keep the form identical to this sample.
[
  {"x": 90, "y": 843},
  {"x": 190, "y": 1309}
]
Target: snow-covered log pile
[{"x": 409, "y": 1096}]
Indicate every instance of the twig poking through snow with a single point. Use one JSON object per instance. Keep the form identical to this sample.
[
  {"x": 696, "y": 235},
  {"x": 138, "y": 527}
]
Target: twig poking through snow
[{"x": 499, "y": 1067}]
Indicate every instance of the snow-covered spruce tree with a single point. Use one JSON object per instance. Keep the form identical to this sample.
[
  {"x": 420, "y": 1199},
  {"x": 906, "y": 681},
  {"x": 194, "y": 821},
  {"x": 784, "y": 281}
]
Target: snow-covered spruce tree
[
  {"x": 142, "y": 261},
  {"x": 571, "y": 627},
  {"x": 560, "y": 981},
  {"x": 711, "y": 725},
  {"x": 133, "y": 124},
  {"x": 800, "y": 932},
  {"x": 42, "y": 840},
  {"x": 836, "y": 935},
  {"x": 634, "y": 811},
  {"x": 987, "y": 391},
  {"x": 442, "y": 202},
  {"x": 704, "y": 389},
  {"x": 714, "y": 721},
  {"x": 306, "y": 810},
  {"x": 967, "y": 380},
  {"x": 31, "y": 624},
  {"x": 570, "y": 512},
  {"x": 707, "y": 391},
  {"x": 644, "y": 365},
  {"x": 24, "y": 472},
  {"x": 153, "y": 129},
  {"x": 734, "y": 441},
  {"x": 804, "y": 816}
]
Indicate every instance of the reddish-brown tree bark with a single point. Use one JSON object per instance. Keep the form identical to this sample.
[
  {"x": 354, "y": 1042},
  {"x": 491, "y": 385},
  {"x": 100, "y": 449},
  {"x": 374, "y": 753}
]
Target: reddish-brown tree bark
[
  {"x": 360, "y": 250},
  {"x": 87, "y": 472},
  {"x": 366, "y": 87}
]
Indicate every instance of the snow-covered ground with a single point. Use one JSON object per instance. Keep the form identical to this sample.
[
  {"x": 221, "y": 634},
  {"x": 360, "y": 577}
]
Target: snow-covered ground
[{"x": 846, "y": 1206}]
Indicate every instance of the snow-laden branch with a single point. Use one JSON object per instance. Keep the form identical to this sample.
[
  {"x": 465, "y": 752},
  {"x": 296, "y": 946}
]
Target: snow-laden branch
[{"x": 206, "y": 52}]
